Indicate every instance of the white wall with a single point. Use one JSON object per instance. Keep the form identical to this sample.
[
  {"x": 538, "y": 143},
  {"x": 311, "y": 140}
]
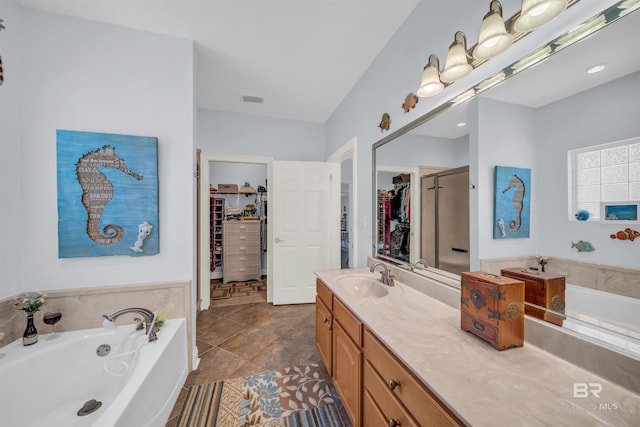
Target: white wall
[
  {"x": 11, "y": 150},
  {"x": 221, "y": 133},
  {"x": 604, "y": 114},
  {"x": 83, "y": 75}
]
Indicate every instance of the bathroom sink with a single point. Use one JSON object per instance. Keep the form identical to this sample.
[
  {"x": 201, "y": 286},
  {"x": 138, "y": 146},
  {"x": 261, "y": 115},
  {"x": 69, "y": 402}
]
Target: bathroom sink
[{"x": 362, "y": 285}]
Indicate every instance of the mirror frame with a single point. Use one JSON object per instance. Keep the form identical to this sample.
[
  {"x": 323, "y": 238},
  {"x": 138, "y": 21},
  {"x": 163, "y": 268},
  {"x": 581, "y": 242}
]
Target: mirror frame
[{"x": 587, "y": 28}]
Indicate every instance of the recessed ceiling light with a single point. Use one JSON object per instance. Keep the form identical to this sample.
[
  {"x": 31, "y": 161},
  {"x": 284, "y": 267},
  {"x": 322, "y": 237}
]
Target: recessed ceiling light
[
  {"x": 596, "y": 68},
  {"x": 461, "y": 124}
]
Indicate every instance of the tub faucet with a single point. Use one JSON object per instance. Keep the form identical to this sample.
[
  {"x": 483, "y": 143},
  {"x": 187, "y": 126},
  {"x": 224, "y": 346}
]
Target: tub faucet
[
  {"x": 420, "y": 261},
  {"x": 149, "y": 319},
  {"x": 385, "y": 277}
]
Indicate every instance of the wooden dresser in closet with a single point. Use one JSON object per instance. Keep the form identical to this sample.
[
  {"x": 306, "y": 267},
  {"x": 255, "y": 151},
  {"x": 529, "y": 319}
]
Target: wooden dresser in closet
[{"x": 241, "y": 257}]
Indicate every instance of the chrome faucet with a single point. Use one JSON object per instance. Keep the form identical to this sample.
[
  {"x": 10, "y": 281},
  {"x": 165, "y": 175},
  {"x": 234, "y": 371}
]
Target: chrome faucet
[
  {"x": 385, "y": 277},
  {"x": 420, "y": 261},
  {"x": 149, "y": 320}
]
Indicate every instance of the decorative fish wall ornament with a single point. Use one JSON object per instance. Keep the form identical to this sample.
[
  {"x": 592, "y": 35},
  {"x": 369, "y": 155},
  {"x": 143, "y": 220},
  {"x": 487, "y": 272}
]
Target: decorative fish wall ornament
[
  {"x": 627, "y": 234},
  {"x": 582, "y": 215},
  {"x": 410, "y": 102},
  {"x": 385, "y": 123},
  {"x": 582, "y": 246}
]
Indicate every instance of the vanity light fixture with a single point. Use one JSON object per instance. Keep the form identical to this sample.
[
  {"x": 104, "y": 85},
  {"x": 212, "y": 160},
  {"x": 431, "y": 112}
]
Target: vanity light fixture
[
  {"x": 535, "y": 13},
  {"x": 596, "y": 68},
  {"x": 494, "y": 38},
  {"x": 457, "y": 63},
  {"x": 431, "y": 84}
]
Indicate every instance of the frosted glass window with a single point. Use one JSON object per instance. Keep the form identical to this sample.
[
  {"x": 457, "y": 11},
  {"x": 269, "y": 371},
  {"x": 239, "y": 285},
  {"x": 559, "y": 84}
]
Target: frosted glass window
[
  {"x": 589, "y": 176},
  {"x": 634, "y": 152},
  {"x": 634, "y": 172},
  {"x": 588, "y": 160},
  {"x": 634, "y": 190},
  {"x": 615, "y": 192},
  {"x": 615, "y": 156},
  {"x": 618, "y": 173},
  {"x": 604, "y": 173},
  {"x": 589, "y": 193}
]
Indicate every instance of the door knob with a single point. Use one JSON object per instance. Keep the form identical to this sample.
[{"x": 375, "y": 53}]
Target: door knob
[{"x": 277, "y": 240}]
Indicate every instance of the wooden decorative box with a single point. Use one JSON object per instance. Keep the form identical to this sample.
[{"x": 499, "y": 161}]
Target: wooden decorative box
[
  {"x": 492, "y": 307},
  {"x": 542, "y": 289}
]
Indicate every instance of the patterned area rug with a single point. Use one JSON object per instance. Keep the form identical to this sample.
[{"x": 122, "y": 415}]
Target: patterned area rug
[
  {"x": 299, "y": 396},
  {"x": 221, "y": 290}
]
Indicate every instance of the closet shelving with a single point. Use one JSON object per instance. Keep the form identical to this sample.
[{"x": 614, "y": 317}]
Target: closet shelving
[
  {"x": 384, "y": 224},
  {"x": 217, "y": 216}
]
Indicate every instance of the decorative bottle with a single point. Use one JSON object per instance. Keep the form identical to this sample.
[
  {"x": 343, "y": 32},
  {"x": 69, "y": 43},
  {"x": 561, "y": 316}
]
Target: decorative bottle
[{"x": 30, "y": 335}]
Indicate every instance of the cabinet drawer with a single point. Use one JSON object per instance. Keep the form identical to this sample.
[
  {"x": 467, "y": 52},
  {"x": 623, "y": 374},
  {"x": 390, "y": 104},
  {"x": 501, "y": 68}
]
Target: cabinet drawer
[
  {"x": 236, "y": 260},
  {"x": 233, "y": 249},
  {"x": 479, "y": 327},
  {"x": 387, "y": 407},
  {"x": 349, "y": 322},
  {"x": 425, "y": 408},
  {"x": 324, "y": 294}
]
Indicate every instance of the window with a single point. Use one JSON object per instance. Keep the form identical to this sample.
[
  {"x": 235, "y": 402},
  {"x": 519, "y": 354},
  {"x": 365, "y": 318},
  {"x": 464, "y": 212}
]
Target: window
[{"x": 604, "y": 173}]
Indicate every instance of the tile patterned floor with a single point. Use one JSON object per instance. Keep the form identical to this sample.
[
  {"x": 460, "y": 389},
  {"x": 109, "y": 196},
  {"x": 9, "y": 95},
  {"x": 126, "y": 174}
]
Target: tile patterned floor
[{"x": 246, "y": 339}]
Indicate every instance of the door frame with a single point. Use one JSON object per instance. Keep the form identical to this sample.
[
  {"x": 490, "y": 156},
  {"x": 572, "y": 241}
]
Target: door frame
[
  {"x": 349, "y": 151},
  {"x": 204, "y": 236}
]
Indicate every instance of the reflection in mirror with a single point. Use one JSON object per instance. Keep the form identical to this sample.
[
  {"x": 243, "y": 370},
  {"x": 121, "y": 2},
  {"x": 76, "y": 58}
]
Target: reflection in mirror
[{"x": 602, "y": 289}]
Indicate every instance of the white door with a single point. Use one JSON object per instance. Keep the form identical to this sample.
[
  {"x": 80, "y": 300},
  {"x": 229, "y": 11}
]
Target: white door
[{"x": 305, "y": 221}]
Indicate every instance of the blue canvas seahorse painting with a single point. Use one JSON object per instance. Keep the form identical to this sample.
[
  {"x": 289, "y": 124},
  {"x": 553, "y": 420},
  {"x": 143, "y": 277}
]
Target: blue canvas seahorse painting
[
  {"x": 107, "y": 194},
  {"x": 512, "y": 213}
]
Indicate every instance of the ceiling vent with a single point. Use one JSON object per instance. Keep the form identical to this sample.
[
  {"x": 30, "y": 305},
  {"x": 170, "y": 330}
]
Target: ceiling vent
[{"x": 254, "y": 99}]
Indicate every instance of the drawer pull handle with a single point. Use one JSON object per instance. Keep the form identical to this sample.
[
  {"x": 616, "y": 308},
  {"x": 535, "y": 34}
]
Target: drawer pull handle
[
  {"x": 394, "y": 423},
  {"x": 479, "y": 326},
  {"x": 329, "y": 326},
  {"x": 325, "y": 319},
  {"x": 393, "y": 384}
]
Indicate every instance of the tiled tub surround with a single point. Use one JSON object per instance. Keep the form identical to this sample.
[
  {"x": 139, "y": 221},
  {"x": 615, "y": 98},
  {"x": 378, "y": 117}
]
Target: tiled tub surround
[
  {"x": 607, "y": 278},
  {"x": 83, "y": 308},
  {"x": 484, "y": 387}
]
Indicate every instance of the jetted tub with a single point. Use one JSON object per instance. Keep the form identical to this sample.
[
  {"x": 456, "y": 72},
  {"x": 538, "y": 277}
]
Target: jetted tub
[{"x": 137, "y": 382}]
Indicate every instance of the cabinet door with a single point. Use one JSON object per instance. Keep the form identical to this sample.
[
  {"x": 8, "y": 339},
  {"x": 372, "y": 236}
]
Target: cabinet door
[
  {"x": 347, "y": 373},
  {"x": 324, "y": 326}
]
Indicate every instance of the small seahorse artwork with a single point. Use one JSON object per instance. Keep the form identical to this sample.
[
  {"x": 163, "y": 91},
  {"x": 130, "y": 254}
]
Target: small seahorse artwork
[
  {"x": 512, "y": 196},
  {"x": 144, "y": 230},
  {"x": 107, "y": 187},
  {"x": 503, "y": 232}
]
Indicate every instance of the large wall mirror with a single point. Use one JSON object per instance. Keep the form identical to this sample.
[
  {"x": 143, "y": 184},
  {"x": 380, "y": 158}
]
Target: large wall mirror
[{"x": 422, "y": 187}]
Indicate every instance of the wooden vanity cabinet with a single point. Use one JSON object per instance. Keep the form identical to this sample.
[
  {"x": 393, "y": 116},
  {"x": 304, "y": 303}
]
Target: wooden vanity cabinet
[
  {"x": 393, "y": 394},
  {"x": 362, "y": 369}
]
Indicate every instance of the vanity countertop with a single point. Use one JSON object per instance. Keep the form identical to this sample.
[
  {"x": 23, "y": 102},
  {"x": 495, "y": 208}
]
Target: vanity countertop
[{"x": 523, "y": 386}]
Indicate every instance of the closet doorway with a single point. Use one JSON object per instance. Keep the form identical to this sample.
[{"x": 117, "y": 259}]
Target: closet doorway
[
  {"x": 293, "y": 195},
  {"x": 237, "y": 181}
]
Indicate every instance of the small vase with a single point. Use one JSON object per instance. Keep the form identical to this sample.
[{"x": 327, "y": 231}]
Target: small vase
[{"x": 30, "y": 335}]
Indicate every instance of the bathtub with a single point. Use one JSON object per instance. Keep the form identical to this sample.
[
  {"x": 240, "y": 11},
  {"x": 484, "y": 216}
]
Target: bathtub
[
  {"x": 137, "y": 382},
  {"x": 608, "y": 317}
]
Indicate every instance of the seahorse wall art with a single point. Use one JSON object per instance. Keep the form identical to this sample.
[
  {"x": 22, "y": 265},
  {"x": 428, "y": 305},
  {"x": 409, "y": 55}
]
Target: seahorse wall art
[
  {"x": 97, "y": 191},
  {"x": 518, "y": 197},
  {"x": 512, "y": 195},
  {"x": 107, "y": 194}
]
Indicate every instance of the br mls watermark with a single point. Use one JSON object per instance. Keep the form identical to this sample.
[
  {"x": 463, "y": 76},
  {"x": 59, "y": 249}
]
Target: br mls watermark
[
  {"x": 584, "y": 390},
  {"x": 589, "y": 390}
]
